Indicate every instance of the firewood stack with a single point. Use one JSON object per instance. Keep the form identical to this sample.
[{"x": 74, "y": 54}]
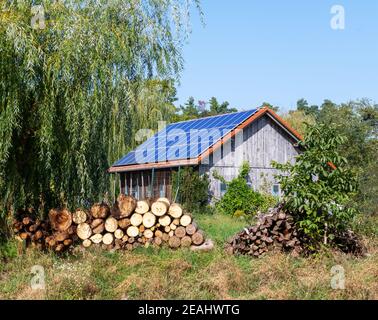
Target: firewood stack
[
  {"x": 126, "y": 225},
  {"x": 31, "y": 231},
  {"x": 131, "y": 223},
  {"x": 274, "y": 231},
  {"x": 57, "y": 234}
]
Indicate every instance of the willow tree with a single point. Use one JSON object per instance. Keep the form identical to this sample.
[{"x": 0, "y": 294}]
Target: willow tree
[{"x": 76, "y": 79}]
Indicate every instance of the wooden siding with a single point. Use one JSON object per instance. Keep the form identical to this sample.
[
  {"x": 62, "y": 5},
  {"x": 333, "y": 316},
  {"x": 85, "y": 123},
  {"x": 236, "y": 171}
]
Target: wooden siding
[
  {"x": 259, "y": 143},
  {"x": 140, "y": 185}
]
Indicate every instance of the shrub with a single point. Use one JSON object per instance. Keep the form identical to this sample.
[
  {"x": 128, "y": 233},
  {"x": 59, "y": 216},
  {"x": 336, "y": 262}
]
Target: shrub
[
  {"x": 319, "y": 186},
  {"x": 239, "y": 197},
  {"x": 192, "y": 190}
]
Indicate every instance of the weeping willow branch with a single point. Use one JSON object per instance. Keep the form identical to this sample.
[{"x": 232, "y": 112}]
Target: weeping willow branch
[{"x": 73, "y": 94}]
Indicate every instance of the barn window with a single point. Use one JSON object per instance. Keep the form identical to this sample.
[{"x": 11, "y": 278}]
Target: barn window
[
  {"x": 223, "y": 188},
  {"x": 276, "y": 190},
  {"x": 233, "y": 144}
]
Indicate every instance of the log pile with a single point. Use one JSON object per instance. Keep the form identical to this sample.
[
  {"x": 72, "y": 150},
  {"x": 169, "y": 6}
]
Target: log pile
[
  {"x": 125, "y": 225},
  {"x": 274, "y": 231},
  {"x": 130, "y": 223},
  {"x": 57, "y": 234}
]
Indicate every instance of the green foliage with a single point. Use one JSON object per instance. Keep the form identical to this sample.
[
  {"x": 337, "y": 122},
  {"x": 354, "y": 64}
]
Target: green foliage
[
  {"x": 298, "y": 119},
  {"x": 192, "y": 110},
  {"x": 192, "y": 190},
  {"x": 239, "y": 198},
  {"x": 318, "y": 195},
  {"x": 72, "y": 95},
  {"x": 8, "y": 250},
  {"x": 302, "y": 105},
  {"x": 358, "y": 122}
]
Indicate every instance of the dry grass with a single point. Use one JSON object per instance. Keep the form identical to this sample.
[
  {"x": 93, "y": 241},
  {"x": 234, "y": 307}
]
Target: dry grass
[{"x": 181, "y": 274}]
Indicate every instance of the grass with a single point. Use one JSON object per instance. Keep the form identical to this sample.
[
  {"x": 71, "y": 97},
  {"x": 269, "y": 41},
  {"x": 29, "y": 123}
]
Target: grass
[{"x": 181, "y": 274}]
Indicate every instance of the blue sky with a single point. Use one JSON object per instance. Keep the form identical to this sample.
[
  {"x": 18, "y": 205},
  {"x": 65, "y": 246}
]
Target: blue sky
[{"x": 278, "y": 51}]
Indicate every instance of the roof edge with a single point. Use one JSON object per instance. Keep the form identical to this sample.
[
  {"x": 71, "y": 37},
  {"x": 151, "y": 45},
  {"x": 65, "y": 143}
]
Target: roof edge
[{"x": 195, "y": 161}]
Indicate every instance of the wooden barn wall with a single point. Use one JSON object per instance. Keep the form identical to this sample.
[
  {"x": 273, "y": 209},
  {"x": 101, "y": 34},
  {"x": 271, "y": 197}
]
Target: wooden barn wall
[
  {"x": 138, "y": 183},
  {"x": 260, "y": 143}
]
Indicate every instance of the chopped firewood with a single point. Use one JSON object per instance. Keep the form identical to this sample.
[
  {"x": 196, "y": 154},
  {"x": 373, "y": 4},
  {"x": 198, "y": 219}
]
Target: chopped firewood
[
  {"x": 165, "y": 220},
  {"x": 79, "y": 216},
  {"x": 100, "y": 211},
  {"x": 174, "y": 242},
  {"x": 175, "y": 210},
  {"x": 136, "y": 219},
  {"x": 159, "y": 208},
  {"x": 87, "y": 243},
  {"x": 118, "y": 234},
  {"x": 126, "y": 204},
  {"x": 186, "y": 241},
  {"x": 191, "y": 229},
  {"x": 84, "y": 231},
  {"x": 111, "y": 224},
  {"x": 108, "y": 238},
  {"x": 165, "y": 200},
  {"x": 180, "y": 232},
  {"x": 149, "y": 220},
  {"x": 185, "y": 220},
  {"x": 142, "y": 207},
  {"x": 60, "y": 220},
  {"x": 96, "y": 238},
  {"x": 124, "y": 223},
  {"x": 98, "y": 226},
  {"x": 148, "y": 234},
  {"x": 198, "y": 238},
  {"x": 132, "y": 231}
]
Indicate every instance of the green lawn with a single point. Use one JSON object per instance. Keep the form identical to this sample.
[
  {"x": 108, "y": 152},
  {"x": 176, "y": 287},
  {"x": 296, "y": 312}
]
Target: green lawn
[{"x": 181, "y": 274}]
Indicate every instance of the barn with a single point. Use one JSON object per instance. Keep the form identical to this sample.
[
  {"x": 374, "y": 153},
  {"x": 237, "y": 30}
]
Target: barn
[{"x": 218, "y": 143}]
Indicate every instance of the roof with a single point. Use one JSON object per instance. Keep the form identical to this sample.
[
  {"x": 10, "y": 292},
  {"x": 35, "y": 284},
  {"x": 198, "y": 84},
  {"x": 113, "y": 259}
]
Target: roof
[{"x": 188, "y": 142}]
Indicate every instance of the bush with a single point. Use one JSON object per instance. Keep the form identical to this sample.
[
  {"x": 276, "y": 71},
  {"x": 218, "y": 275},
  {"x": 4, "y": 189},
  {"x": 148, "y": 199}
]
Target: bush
[
  {"x": 192, "y": 190},
  {"x": 239, "y": 197},
  {"x": 319, "y": 187}
]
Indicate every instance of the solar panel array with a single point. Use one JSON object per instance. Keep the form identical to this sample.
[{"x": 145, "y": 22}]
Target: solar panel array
[{"x": 184, "y": 140}]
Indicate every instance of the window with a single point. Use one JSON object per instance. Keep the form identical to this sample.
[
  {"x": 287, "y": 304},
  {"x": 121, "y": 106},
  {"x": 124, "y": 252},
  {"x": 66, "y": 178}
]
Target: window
[
  {"x": 223, "y": 189},
  {"x": 276, "y": 190},
  {"x": 233, "y": 144},
  {"x": 162, "y": 190}
]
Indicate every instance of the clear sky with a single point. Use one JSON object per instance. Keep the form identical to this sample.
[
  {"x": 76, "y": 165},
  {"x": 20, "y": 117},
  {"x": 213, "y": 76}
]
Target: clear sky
[{"x": 251, "y": 51}]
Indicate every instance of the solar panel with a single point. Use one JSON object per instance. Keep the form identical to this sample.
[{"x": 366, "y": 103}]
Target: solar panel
[{"x": 184, "y": 140}]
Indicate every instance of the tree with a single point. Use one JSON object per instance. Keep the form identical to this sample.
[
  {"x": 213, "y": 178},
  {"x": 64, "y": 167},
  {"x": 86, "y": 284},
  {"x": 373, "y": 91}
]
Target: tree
[
  {"x": 189, "y": 110},
  {"x": 217, "y": 108},
  {"x": 270, "y": 106},
  {"x": 358, "y": 122},
  {"x": 319, "y": 187},
  {"x": 299, "y": 120},
  {"x": 302, "y": 105},
  {"x": 74, "y": 92}
]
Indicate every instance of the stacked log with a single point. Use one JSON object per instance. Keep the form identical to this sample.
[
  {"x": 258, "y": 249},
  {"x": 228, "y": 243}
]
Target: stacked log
[
  {"x": 126, "y": 225},
  {"x": 30, "y": 230},
  {"x": 131, "y": 223},
  {"x": 274, "y": 231},
  {"x": 57, "y": 234}
]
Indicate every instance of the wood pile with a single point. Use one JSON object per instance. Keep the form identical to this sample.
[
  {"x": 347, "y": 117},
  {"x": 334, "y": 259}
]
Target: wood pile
[
  {"x": 126, "y": 225},
  {"x": 57, "y": 233},
  {"x": 130, "y": 223},
  {"x": 274, "y": 231}
]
